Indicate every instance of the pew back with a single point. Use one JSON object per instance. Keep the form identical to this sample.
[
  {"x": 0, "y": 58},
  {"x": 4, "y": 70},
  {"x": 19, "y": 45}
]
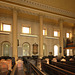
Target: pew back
[
  {"x": 64, "y": 66},
  {"x": 53, "y": 70}
]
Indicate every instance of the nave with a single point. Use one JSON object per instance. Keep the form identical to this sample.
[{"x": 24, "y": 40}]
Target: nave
[
  {"x": 34, "y": 66},
  {"x": 37, "y": 37}
]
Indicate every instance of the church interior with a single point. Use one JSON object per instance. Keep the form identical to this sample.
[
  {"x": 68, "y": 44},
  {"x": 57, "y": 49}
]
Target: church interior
[{"x": 37, "y": 37}]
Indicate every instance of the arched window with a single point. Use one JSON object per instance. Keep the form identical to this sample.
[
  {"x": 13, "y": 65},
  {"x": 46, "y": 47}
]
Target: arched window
[
  {"x": 6, "y": 48},
  {"x": 26, "y": 48},
  {"x": 44, "y": 50},
  {"x": 55, "y": 50},
  {"x": 67, "y": 52}
]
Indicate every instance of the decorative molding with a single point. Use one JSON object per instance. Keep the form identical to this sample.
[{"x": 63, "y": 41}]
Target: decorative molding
[
  {"x": 4, "y": 33},
  {"x": 43, "y": 7},
  {"x": 27, "y": 35},
  {"x": 40, "y": 9},
  {"x": 61, "y": 20},
  {"x": 47, "y": 37},
  {"x": 5, "y": 7}
]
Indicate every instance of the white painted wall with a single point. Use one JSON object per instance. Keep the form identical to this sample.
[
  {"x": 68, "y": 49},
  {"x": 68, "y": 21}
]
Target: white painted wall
[{"x": 34, "y": 31}]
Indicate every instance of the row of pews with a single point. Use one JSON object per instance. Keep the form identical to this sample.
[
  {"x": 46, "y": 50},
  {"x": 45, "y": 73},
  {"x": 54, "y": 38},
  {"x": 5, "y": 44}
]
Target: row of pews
[
  {"x": 36, "y": 66},
  {"x": 64, "y": 66},
  {"x": 31, "y": 65},
  {"x": 58, "y": 67},
  {"x": 54, "y": 70},
  {"x": 49, "y": 66},
  {"x": 6, "y": 65}
]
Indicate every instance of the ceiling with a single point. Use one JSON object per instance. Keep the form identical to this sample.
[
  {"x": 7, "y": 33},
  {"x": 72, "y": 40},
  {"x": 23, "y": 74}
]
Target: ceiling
[
  {"x": 68, "y": 5},
  {"x": 33, "y": 18},
  {"x": 48, "y": 20}
]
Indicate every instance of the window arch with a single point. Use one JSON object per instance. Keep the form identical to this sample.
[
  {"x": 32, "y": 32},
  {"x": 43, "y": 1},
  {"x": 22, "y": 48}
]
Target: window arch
[
  {"x": 26, "y": 48},
  {"x": 69, "y": 52},
  {"x": 6, "y": 48},
  {"x": 44, "y": 50},
  {"x": 55, "y": 50}
]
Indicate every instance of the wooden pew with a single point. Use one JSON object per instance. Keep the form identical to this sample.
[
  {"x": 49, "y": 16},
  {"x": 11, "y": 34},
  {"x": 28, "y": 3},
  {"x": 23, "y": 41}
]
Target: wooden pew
[
  {"x": 64, "y": 66},
  {"x": 54, "y": 70},
  {"x": 35, "y": 70},
  {"x": 7, "y": 57},
  {"x": 18, "y": 68},
  {"x": 70, "y": 63},
  {"x": 4, "y": 73},
  {"x": 3, "y": 67},
  {"x": 31, "y": 68}
]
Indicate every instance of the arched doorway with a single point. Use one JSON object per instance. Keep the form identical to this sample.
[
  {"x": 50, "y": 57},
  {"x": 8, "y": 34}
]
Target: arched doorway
[{"x": 26, "y": 48}]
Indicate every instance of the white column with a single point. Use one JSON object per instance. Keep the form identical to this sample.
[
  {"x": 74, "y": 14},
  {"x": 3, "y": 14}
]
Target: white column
[
  {"x": 61, "y": 36},
  {"x": 14, "y": 34},
  {"x": 41, "y": 38}
]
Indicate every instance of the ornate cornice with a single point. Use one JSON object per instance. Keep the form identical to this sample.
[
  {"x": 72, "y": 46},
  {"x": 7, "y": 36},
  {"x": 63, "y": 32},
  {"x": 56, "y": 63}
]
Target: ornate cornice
[
  {"x": 43, "y": 7},
  {"x": 35, "y": 8}
]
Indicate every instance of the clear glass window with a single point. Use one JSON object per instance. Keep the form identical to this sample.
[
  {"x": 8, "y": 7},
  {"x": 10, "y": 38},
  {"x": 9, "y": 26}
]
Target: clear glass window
[
  {"x": 67, "y": 52},
  {"x": 5, "y": 27},
  {"x": 26, "y": 47},
  {"x": 67, "y": 35},
  {"x": 44, "y": 50},
  {"x": 55, "y": 33},
  {"x": 6, "y": 49},
  {"x": 26, "y": 30},
  {"x": 44, "y": 32},
  {"x": 55, "y": 50}
]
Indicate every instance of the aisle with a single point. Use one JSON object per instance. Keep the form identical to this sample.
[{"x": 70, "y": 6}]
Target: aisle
[
  {"x": 20, "y": 72},
  {"x": 25, "y": 70}
]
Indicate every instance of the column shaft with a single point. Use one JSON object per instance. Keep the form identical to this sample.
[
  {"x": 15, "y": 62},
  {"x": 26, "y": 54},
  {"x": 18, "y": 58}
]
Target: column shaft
[
  {"x": 14, "y": 34},
  {"x": 41, "y": 38},
  {"x": 61, "y": 36}
]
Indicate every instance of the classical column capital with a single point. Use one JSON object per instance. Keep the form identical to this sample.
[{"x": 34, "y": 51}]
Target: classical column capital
[
  {"x": 61, "y": 20},
  {"x": 15, "y": 9},
  {"x": 41, "y": 15}
]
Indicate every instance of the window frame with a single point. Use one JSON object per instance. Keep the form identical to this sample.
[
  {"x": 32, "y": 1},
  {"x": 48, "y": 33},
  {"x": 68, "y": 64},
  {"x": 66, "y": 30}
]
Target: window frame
[
  {"x": 28, "y": 50},
  {"x": 58, "y": 33},
  {"x": 57, "y": 51},
  {"x": 45, "y": 31},
  {"x": 5, "y": 42},
  {"x": 68, "y": 52},
  {"x": 1, "y": 27},
  {"x": 27, "y": 27},
  {"x": 69, "y": 35}
]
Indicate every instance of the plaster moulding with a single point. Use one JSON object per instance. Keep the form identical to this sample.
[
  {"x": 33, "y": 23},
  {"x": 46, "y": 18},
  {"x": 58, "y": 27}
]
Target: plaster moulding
[
  {"x": 27, "y": 35},
  {"x": 40, "y": 6},
  {"x": 35, "y": 8},
  {"x": 4, "y": 33},
  {"x": 47, "y": 37}
]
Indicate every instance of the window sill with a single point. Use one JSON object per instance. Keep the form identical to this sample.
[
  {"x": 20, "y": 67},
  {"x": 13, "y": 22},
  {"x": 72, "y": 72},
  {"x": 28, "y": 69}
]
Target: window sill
[
  {"x": 48, "y": 37},
  {"x": 6, "y": 33},
  {"x": 44, "y": 35},
  {"x": 28, "y": 35}
]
